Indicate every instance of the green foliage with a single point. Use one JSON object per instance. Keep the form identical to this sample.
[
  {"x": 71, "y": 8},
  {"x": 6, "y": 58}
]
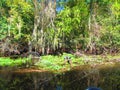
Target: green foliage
[
  {"x": 51, "y": 62},
  {"x": 17, "y": 20},
  {"x": 110, "y": 26},
  {"x": 65, "y": 22},
  {"x": 74, "y": 27},
  {"x": 71, "y": 23},
  {"x": 56, "y": 63},
  {"x": 11, "y": 62},
  {"x": 3, "y": 27}
]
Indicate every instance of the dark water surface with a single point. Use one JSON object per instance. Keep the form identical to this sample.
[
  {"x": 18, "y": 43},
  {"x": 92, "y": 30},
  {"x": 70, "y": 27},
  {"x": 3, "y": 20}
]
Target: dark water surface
[{"x": 106, "y": 77}]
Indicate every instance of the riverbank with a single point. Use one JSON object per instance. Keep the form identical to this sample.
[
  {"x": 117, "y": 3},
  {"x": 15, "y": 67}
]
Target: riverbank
[{"x": 56, "y": 63}]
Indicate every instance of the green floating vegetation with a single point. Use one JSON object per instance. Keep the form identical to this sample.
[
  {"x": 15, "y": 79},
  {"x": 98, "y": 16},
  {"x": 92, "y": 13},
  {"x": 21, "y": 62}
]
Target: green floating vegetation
[
  {"x": 51, "y": 62},
  {"x": 57, "y": 63},
  {"x": 12, "y": 62}
]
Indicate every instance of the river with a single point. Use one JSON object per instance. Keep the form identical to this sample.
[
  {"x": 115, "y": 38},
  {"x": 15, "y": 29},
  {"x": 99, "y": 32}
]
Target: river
[{"x": 104, "y": 76}]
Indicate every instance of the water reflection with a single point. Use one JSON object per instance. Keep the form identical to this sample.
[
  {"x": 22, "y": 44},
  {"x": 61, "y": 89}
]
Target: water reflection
[
  {"x": 79, "y": 78},
  {"x": 59, "y": 87},
  {"x": 93, "y": 88}
]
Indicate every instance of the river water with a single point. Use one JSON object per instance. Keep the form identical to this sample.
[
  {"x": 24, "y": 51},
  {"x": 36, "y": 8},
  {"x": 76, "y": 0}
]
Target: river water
[{"x": 106, "y": 77}]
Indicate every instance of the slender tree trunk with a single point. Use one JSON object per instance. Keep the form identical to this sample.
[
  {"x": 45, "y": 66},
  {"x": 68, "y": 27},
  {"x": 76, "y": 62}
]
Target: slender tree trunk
[
  {"x": 9, "y": 27},
  {"x": 35, "y": 19},
  {"x": 90, "y": 26},
  {"x": 19, "y": 29},
  {"x": 42, "y": 42},
  {"x": 30, "y": 46}
]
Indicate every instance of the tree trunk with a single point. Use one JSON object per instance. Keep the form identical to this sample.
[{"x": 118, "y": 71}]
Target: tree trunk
[{"x": 35, "y": 19}]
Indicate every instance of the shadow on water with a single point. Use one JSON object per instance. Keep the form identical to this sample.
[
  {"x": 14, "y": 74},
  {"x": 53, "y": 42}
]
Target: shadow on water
[{"x": 106, "y": 77}]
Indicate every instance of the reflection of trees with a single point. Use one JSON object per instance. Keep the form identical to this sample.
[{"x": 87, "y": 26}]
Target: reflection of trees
[
  {"x": 93, "y": 77},
  {"x": 106, "y": 78}
]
